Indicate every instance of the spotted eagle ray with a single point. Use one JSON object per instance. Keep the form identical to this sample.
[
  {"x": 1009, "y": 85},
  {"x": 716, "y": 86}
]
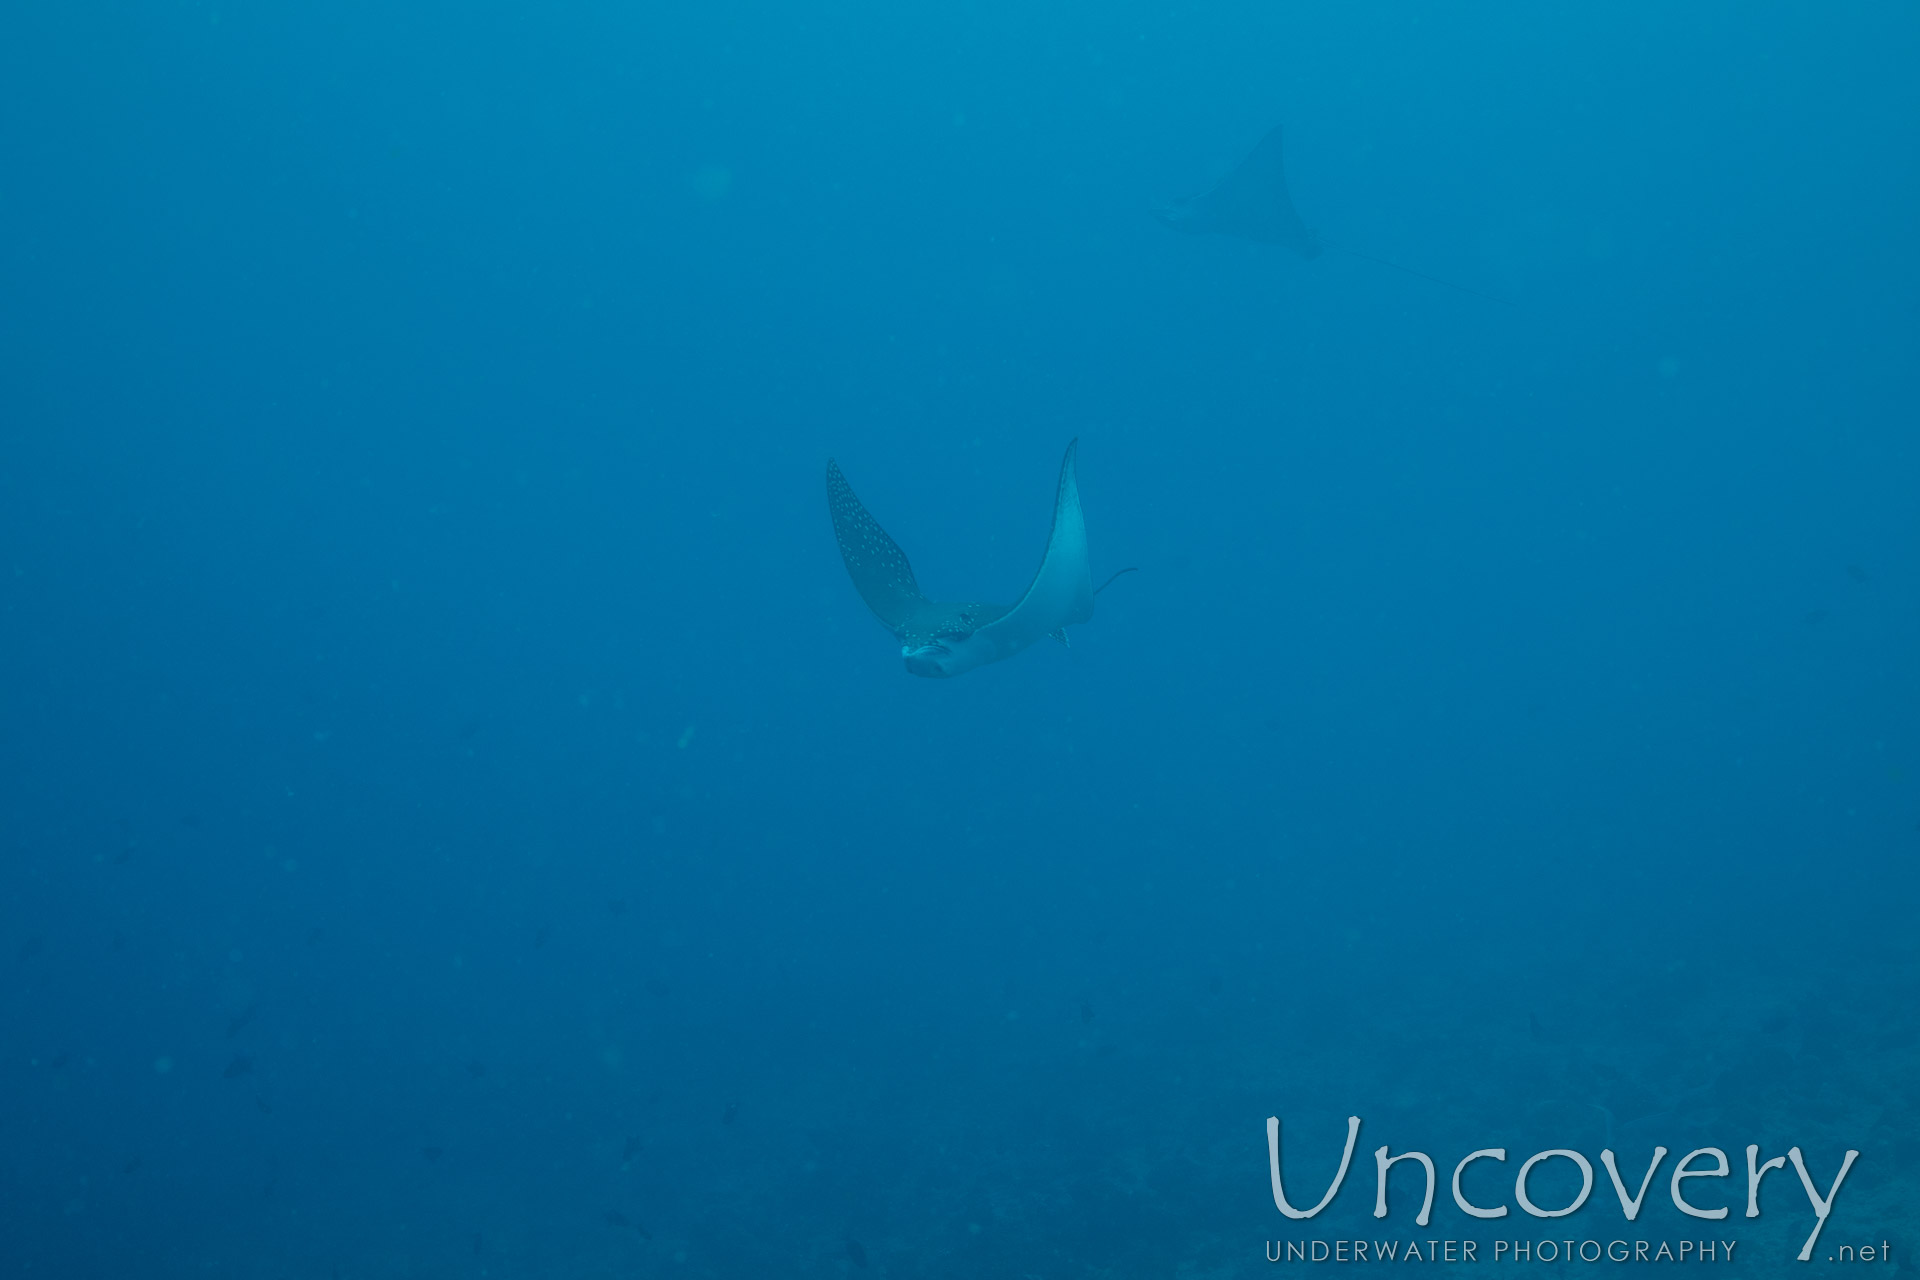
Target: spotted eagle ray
[
  {"x": 941, "y": 639},
  {"x": 1252, "y": 203}
]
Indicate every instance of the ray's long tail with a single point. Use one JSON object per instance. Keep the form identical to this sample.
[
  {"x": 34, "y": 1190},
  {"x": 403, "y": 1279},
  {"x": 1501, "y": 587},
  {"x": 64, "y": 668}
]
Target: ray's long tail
[{"x": 1449, "y": 284}]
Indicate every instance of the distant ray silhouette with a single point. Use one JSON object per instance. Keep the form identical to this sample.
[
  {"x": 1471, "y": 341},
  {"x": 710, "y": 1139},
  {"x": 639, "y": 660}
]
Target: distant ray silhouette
[{"x": 1252, "y": 203}]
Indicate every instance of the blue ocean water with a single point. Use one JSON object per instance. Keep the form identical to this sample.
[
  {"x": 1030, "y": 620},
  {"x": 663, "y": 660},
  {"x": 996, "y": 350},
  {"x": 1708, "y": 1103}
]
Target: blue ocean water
[{"x": 457, "y": 818}]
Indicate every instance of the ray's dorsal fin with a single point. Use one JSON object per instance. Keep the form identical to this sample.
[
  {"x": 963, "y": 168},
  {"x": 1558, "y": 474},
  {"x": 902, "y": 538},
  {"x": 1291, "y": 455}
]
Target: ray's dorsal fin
[{"x": 874, "y": 561}]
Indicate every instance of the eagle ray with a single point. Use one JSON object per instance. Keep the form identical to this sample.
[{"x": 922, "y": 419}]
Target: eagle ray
[{"x": 948, "y": 638}]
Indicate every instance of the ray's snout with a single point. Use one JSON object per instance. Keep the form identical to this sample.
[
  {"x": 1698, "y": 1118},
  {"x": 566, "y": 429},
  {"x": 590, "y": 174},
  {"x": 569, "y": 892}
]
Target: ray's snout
[{"x": 926, "y": 660}]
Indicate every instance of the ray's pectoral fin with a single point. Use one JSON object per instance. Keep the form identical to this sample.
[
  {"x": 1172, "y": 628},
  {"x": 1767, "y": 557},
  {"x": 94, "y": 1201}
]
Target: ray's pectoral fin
[
  {"x": 874, "y": 561},
  {"x": 1061, "y": 592}
]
